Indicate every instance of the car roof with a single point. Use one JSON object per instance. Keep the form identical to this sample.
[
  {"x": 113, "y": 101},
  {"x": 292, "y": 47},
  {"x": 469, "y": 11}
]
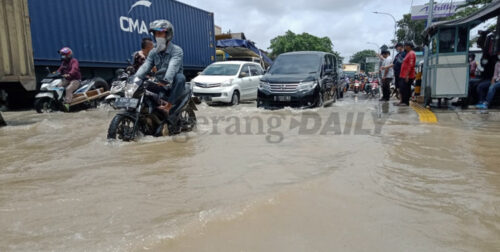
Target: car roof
[
  {"x": 308, "y": 52},
  {"x": 235, "y": 62}
]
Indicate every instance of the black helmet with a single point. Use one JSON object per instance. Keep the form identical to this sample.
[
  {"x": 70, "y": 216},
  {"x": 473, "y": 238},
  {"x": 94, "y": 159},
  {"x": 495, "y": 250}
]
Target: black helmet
[{"x": 162, "y": 25}]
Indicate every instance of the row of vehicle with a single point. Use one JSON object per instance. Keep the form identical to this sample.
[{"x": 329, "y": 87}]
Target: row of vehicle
[{"x": 297, "y": 79}]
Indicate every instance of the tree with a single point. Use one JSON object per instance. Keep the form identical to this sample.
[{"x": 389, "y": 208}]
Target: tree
[
  {"x": 360, "y": 58},
  {"x": 469, "y": 7},
  {"x": 410, "y": 30},
  {"x": 291, "y": 42}
]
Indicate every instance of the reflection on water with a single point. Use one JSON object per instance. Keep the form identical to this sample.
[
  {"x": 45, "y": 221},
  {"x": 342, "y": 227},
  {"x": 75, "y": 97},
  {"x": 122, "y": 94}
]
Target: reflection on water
[{"x": 413, "y": 187}]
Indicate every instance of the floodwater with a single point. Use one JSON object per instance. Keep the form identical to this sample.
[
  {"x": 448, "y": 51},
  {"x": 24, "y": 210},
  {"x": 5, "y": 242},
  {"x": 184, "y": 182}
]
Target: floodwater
[{"x": 356, "y": 176}]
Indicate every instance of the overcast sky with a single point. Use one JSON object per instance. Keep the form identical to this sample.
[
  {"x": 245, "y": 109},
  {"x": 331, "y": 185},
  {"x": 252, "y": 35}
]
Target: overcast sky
[{"x": 350, "y": 24}]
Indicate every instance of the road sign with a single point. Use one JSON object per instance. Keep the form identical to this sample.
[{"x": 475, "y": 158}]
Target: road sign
[
  {"x": 421, "y": 12},
  {"x": 372, "y": 60}
]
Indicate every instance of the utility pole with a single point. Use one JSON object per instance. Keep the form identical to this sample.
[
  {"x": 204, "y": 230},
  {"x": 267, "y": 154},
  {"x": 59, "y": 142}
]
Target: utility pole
[{"x": 427, "y": 85}]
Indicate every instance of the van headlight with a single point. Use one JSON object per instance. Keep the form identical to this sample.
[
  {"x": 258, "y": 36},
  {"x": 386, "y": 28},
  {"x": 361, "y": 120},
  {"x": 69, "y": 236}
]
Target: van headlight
[
  {"x": 306, "y": 86},
  {"x": 264, "y": 86},
  {"x": 227, "y": 83}
]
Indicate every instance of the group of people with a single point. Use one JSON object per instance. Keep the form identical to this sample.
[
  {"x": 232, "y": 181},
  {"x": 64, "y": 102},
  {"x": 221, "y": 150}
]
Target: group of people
[
  {"x": 487, "y": 88},
  {"x": 401, "y": 70},
  {"x": 166, "y": 57}
]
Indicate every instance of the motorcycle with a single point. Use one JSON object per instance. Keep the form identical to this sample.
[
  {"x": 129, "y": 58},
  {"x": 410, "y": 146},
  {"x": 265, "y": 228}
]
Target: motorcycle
[
  {"x": 118, "y": 86},
  {"x": 372, "y": 89},
  {"x": 357, "y": 86},
  {"x": 140, "y": 113},
  {"x": 51, "y": 96}
]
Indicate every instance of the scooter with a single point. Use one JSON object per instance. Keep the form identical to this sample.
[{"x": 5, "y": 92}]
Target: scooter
[
  {"x": 118, "y": 86},
  {"x": 357, "y": 86},
  {"x": 51, "y": 96},
  {"x": 140, "y": 113},
  {"x": 372, "y": 89}
]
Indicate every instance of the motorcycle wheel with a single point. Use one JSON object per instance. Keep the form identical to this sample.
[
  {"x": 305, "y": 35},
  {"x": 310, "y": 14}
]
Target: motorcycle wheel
[
  {"x": 189, "y": 118},
  {"x": 122, "y": 128},
  {"x": 45, "y": 105}
]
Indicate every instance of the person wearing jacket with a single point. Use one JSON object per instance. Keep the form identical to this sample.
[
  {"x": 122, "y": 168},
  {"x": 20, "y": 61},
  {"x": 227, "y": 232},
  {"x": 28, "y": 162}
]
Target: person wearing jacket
[
  {"x": 166, "y": 57},
  {"x": 70, "y": 71}
]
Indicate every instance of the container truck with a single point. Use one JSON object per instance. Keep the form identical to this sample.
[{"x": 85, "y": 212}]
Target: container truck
[
  {"x": 351, "y": 70},
  {"x": 103, "y": 35}
]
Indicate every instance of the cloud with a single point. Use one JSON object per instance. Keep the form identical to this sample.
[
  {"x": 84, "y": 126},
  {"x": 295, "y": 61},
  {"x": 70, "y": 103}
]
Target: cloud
[{"x": 350, "y": 24}]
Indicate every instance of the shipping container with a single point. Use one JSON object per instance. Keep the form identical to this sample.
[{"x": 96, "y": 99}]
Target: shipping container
[
  {"x": 16, "y": 60},
  {"x": 103, "y": 35}
]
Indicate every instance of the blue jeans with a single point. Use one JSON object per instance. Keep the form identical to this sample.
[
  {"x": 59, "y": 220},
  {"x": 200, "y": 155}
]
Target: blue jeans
[
  {"x": 492, "y": 92},
  {"x": 178, "y": 87},
  {"x": 482, "y": 90}
]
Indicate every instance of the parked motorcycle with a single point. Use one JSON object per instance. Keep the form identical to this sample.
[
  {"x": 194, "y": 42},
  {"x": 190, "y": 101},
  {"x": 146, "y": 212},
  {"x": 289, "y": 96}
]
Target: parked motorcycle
[
  {"x": 51, "y": 96},
  {"x": 140, "y": 114}
]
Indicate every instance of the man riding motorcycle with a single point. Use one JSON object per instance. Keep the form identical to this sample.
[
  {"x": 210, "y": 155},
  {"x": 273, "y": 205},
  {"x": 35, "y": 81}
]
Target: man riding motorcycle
[
  {"x": 168, "y": 58},
  {"x": 70, "y": 71}
]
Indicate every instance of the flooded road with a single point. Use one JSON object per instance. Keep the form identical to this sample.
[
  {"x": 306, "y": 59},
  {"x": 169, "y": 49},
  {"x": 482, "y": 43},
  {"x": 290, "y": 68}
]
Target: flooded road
[{"x": 356, "y": 176}]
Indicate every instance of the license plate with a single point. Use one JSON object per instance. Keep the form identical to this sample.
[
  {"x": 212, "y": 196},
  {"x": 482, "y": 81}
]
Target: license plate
[
  {"x": 283, "y": 98},
  {"x": 126, "y": 103},
  {"x": 206, "y": 98}
]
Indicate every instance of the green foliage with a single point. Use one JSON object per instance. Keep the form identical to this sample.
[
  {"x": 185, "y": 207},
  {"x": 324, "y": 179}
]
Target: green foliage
[
  {"x": 291, "y": 42},
  {"x": 469, "y": 8},
  {"x": 360, "y": 58},
  {"x": 410, "y": 30}
]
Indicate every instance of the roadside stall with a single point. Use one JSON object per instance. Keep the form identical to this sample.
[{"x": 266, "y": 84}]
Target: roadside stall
[{"x": 449, "y": 43}]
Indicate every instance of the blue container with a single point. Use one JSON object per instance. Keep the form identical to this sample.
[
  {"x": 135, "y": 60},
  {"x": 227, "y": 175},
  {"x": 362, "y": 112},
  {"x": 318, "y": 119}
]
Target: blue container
[{"x": 105, "y": 33}]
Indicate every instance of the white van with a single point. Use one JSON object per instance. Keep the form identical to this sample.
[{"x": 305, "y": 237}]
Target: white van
[{"x": 228, "y": 82}]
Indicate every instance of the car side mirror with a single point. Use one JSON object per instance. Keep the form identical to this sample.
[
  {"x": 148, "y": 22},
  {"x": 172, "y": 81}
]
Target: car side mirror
[
  {"x": 199, "y": 73},
  {"x": 243, "y": 75}
]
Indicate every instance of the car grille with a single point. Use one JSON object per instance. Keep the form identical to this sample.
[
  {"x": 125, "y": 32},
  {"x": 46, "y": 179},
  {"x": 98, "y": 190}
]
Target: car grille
[
  {"x": 284, "y": 87},
  {"x": 203, "y": 85},
  {"x": 213, "y": 95}
]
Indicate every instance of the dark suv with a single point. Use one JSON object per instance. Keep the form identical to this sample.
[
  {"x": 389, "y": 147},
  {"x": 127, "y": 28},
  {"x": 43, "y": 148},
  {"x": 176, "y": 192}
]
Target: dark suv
[{"x": 300, "y": 79}]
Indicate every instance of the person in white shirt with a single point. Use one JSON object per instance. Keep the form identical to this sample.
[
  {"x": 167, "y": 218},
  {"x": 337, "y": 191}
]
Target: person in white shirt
[{"x": 387, "y": 75}]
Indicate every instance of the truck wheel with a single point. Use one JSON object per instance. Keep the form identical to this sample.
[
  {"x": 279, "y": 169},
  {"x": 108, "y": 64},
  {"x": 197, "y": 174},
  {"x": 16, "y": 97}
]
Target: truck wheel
[{"x": 45, "y": 105}]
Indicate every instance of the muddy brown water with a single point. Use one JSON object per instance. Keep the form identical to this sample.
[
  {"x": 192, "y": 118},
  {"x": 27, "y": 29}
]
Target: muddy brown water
[{"x": 356, "y": 176}]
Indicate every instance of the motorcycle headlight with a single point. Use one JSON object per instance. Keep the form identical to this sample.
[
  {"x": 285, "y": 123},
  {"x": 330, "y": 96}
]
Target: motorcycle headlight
[
  {"x": 305, "y": 86},
  {"x": 264, "y": 86}
]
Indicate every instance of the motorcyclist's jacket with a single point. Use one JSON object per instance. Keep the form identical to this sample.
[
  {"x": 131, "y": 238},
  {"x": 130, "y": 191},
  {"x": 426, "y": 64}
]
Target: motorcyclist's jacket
[
  {"x": 71, "y": 68},
  {"x": 170, "y": 60}
]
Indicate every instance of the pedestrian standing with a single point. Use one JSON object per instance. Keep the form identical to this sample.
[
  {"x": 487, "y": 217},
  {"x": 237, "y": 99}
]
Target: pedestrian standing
[
  {"x": 387, "y": 76},
  {"x": 397, "y": 63},
  {"x": 407, "y": 75}
]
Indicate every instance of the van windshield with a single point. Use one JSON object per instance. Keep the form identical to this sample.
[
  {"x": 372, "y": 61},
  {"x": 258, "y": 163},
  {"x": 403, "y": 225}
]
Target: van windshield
[
  {"x": 296, "y": 64},
  {"x": 222, "y": 70}
]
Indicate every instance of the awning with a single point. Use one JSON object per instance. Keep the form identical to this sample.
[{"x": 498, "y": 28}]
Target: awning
[
  {"x": 242, "y": 48},
  {"x": 487, "y": 12}
]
